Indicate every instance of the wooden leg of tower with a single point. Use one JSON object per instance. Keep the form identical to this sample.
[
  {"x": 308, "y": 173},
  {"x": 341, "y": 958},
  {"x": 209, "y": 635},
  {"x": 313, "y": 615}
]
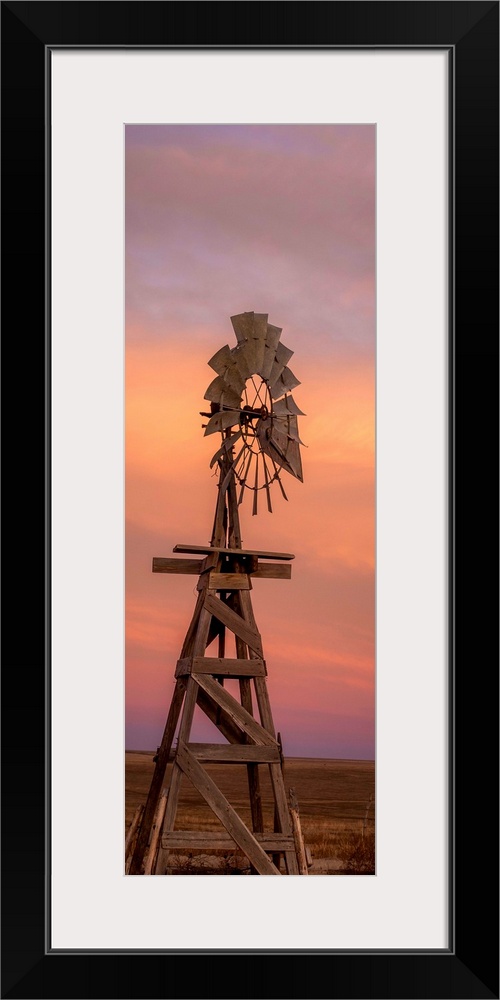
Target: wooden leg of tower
[
  {"x": 276, "y": 816},
  {"x": 158, "y": 777},
  {"x": 282, "y": 810},
  {"x": 191, "y": 632},
  {"x": 252, "y": 769},
  {"x": 221, "y": 654},
  {"x": 253, "y": 772},
  {"x": 184, "y": 731},
  {"x": 234, "y": 533},
  {"x": 175, "y": 781},
  {"x": 220, "y": 519},
  {"x": 246, "y": 701}
]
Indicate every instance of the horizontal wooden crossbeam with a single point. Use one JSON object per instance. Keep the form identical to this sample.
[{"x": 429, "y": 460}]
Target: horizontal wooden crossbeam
[
  {"x": 194, "y": 567},
  {"x": 229, "y": 581},
  {"x": 272, "y": 571},
  {"x": 219, "y": 667},
  {"x": 207, "y": 841},
  {"x": 234, "y": 753},
  {"x": 205, "y": 549}
]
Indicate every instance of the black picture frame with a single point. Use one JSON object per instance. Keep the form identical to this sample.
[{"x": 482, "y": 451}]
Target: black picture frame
[{"x": 469, "y": 969}]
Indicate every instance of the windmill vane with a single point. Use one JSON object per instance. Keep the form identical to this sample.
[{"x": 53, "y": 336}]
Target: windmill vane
[{"x": 252, "y": 407}]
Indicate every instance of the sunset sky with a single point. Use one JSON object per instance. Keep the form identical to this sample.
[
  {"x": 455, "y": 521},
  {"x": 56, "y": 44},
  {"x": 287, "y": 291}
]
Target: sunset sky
[{"x": 279, "y": 219}]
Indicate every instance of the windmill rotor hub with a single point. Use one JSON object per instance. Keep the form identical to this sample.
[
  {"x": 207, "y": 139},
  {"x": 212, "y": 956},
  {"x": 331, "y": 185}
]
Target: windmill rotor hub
[{"x": 250, "y": 412}]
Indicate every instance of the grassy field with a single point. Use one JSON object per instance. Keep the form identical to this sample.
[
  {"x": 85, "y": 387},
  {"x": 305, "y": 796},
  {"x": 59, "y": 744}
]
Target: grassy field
[{"x": 336, "y": 800}]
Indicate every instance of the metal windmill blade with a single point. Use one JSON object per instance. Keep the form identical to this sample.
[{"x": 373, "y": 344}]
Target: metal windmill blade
[
  {"x": 272, "y": 340},
  {"x": 287, "y": 405},
  {"x": 251, "y": 331},
  {"x": 279, "y": 439}
]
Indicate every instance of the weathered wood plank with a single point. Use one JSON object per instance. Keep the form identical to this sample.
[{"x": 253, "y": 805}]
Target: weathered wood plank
[
  {"x": 234, "y": 753},
  {"x": 221, "y": 719},
  {"x": 234, "y": 530},
  {"x": 245, "y": 722},
  {"x": 225, "y": 812},
  {"x": 204, "y": 840},
  {"x": 272, "y": 571},
  {"x": 150, "y": 860},
  {"x": 264, "y": 705},
  {"x": 297, "y": 833},
  {"x": 253, "y": 776},
  {"x": 191, "y": 566},
  {"x": 183, "y": 668},
  {"x": 194, "y": 567},
  {"x": 220, "y": 667},
  {"x": 283, "y": 818},
  {"x": 202, "y": 632},
  {"x": 235, "y": 622},
  {"x": 229, "y": 581},
  {"x": 198, "y": 640},
  {"x": 176, "y": 776},
  {"x": 131, "y": 838},
  {"x": 187, "y": 646},
  {"x": 283, "y": 815},
  {"x": 204, "y": 549},
  {"x": 226, "y": 667}
]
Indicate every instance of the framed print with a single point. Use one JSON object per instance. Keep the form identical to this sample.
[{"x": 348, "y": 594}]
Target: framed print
[{"x": 79, "y": 91}]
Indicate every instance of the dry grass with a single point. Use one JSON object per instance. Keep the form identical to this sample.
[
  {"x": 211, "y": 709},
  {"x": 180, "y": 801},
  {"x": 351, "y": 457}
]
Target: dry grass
[
  {"x": 357, "y": 853},
  {"x": 336, "y": 800},
  {"x": 196, "y": 863}
]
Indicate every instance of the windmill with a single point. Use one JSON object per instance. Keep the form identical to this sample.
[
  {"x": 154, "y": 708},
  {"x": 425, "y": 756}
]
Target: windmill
[{"x": 256, "y": 416}]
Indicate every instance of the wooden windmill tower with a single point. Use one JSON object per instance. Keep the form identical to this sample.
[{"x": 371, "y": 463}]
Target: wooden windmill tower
[{"x": 252, "y": 409}]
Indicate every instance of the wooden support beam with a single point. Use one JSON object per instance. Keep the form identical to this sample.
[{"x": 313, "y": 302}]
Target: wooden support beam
[
  {"x": 220, "y": 667},
  {"x": 183, "y": 668},
  {"x": 235, "y": 622},
  {"x": 228, "y": 667},
  {"x": 205, "y": 549},
  {"x": 234, "y": 753},
  {"x": 202, "y": 840},
  {"x": 150, "y": 859},
  {"x": 272, "y": 571},
  {"x": 187, "y": 646},
  {"x": 229, "y": 581},
  {"x": 132, "y": 835},
  {"x": 221, "y": 719},
  {"x": 191, "y": 566},
  {"x": 195, "y": 567},
  {"x": 225, "y": 812},
  {"x": 199, "y": 640},
  {"x": 245, "y": 722},
  {"x": 297, "y": 834},
  {"x": 253, "y": 776}
]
